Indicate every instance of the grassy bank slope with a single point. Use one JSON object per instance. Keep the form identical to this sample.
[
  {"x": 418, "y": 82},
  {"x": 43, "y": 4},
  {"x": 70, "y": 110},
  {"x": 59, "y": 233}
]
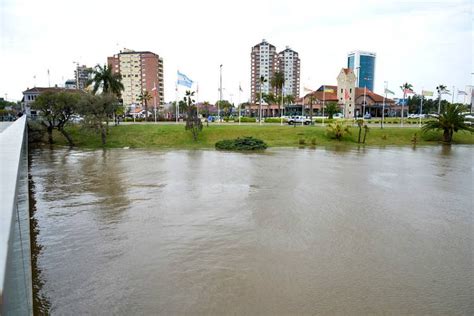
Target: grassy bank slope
[{"x": 174, "y": 136}]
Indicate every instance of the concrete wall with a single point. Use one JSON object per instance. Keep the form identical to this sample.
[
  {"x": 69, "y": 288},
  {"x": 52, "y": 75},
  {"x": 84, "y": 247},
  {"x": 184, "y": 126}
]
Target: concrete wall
[{"x": 15, "y": 250}]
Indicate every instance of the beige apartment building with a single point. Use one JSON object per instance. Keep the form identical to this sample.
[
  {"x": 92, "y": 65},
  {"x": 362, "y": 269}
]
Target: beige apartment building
[
  {"x": 265, "y": 61},
  {"x": 141, "y": 71}
]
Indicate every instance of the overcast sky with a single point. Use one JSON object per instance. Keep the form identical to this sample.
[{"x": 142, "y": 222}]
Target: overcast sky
[{"x": 425, "y": 43}]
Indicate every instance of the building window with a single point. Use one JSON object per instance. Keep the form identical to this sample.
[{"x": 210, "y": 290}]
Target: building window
[{"x": 342, "y": 91}]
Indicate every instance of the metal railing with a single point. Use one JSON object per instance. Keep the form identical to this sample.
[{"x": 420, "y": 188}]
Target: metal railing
[{"x": 15, "y": 249}]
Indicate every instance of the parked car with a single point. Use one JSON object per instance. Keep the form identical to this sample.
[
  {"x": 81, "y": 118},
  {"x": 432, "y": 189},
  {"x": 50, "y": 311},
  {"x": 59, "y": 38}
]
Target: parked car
[
  {"x": 367, "y": 116},
  {"x": 338, "y": 116},
  {"x": 298, "y": 119}
]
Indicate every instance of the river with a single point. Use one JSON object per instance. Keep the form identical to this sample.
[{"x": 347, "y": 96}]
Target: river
[{"x": 291, "y": 231}]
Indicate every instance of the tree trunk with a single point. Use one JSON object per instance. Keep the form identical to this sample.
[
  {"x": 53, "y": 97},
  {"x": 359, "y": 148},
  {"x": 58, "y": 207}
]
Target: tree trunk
[
  {"x": 67, "y": 136},
  {"x": 365, "y": 133},
  {"x": 50, "y": 134},
  {"x": 447, "y": 135},
  {"x": 360, "y": 132},
  {"x": 146, "y": 111},
  {"x": 103, "y": 134}
]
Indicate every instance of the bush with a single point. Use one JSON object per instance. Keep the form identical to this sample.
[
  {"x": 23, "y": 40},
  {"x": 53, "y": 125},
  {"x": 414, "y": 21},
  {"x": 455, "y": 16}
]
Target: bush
[
  {"x": 36, "y": 132},
  {"x": 246, "y": 143},
  {"x": 246, "y": 119},
  {"x": 275, "y": 120}
]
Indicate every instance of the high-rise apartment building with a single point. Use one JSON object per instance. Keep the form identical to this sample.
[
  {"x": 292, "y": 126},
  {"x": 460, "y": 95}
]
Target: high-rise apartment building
[
  {"x": 141, "y": 71},
  {"x": 363, "y": 64},
  {"x": 289, "y": 63},
  {"x": 265, "y": 61},
  {"x": 82, "y": 74},
  {"x": 263, "y": 64}
]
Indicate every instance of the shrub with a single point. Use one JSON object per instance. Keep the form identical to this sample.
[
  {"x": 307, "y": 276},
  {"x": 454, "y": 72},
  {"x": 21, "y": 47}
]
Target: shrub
[
  {"x": 337, "y": 130},
  {"x": 275, "y": 120},
  {"x": 246, "y": 119},
  {"x": 246, "y": 143}
]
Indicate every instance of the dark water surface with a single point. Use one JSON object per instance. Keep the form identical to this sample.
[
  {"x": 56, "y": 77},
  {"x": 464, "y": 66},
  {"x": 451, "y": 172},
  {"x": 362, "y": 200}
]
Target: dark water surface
[{"x": 291, "y": 231}]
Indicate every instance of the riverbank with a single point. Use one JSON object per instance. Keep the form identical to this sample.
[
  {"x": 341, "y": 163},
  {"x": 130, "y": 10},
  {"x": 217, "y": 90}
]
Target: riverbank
[{"x": 175, "y": 136}]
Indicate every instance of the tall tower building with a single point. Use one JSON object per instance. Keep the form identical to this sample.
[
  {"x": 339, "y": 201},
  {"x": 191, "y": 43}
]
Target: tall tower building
[
  {"x": 363, "y": 64},
  {"x": 263, "y": 64},
  {"x": 141, "y": 71},
  {"x": 82, "y": 74},
  {"x": 289, "y": 63}
]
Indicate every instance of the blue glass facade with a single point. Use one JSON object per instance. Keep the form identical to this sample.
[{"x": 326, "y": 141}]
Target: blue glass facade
[
  {"x": 350, "y": 62},
  {"x": 366, "y": 72}
]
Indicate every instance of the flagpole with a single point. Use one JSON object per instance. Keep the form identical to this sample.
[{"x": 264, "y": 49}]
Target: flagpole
[
  {"x": 403, "y": 103},
  {"x": 324, "y": 100},
  {"x": 220, "y": 94},
  {"x": 383, "y": 104},
  {"x": 363, "y": 106},
  {"x": 239, "y": 102},
  {"x": 154, "y": 97},
  {"x": 177, "y": 104},
  {"x": 197, "y": 99},
  {"x": 281, "y": 108},
  {"x": 421, "y": 105}
]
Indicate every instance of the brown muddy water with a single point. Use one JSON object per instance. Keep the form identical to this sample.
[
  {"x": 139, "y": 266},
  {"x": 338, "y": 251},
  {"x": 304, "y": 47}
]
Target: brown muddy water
[{"x": 291, "y": 231}]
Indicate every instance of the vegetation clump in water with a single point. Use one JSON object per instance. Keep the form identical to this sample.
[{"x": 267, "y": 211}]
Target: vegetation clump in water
[{"x": 244, "y": 144}]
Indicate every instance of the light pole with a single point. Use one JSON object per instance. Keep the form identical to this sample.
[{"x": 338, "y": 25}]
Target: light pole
[{"x": 220, "y": 94}]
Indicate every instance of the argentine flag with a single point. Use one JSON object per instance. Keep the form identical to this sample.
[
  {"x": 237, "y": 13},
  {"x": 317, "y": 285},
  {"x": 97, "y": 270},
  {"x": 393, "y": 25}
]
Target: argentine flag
[{"x": 184, "y": 80}]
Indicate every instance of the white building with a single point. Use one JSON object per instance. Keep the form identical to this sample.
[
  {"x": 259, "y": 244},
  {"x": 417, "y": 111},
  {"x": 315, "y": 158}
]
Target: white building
[
  {"x": 263, "y": 65},
  {"x": 289, "y": 63},
  {"x": 346, "y": 84}
]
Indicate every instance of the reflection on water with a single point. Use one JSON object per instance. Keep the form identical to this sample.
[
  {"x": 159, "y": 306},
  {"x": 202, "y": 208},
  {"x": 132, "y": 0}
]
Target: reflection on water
[{"x": 334, "y": 231}]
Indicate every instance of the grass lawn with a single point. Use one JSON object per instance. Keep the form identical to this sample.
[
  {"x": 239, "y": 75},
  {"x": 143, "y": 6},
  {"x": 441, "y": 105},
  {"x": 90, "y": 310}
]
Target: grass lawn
[{"x": 175, "y": 136}]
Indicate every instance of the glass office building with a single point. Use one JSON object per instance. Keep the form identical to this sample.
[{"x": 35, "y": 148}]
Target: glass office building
[{"x": 363, "y": 64}]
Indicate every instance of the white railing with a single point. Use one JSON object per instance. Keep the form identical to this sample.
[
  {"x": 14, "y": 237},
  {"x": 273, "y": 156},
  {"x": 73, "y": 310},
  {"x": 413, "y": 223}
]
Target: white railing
[{"x": 15, "y": 250}]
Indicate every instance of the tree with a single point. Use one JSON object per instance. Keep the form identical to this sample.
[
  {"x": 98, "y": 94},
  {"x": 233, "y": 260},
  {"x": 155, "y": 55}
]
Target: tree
[
  {"x": 193, "y": 123},
  {"x": 312, "y": 98},
  {"x": 277, "y": 82},
  {"x": 96, "y": 109},
  {"x": 56, "y": 109},
  {"x": 205, "y": 108},
  {"x": 225, "y": 106},
  {"x": 450, "y": 120},
  {"x": 143, "y": 98},
  {"x": 404, "y": 87},
  {"x": 102, "y": 77},
  {"x": 331, "y": 109},
  {"x": 289, "y": 99}
]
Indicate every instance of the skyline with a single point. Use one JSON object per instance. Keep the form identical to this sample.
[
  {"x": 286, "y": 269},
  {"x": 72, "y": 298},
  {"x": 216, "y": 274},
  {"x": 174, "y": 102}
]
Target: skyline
[{"x": 423, "y": 43}]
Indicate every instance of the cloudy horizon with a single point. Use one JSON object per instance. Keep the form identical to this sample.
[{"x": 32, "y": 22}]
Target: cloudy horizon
[{"x": 425, "y": 43}]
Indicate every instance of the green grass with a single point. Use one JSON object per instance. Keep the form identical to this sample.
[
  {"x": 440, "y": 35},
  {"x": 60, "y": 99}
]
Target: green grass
[{"x": 174, "y": 136}]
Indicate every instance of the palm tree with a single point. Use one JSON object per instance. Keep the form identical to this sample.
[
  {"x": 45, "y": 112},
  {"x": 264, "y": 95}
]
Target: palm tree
[
  {"x": 102, "y": 77},
  {"x": 289, "y": 99},
  {"x": 277, "y": 82},
  {"x": 331, "y": 109},
  {"x": 311, "y": 98},
  {"x": 441, "y": 89},
  {"x": 450, "y": 121},
  {"x": 406, "y": 86},
  {"x": 143, "y": 98}
]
